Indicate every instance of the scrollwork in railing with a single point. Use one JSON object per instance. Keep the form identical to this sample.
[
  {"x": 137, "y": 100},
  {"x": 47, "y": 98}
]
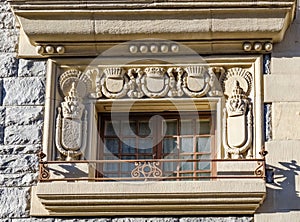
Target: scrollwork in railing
[
  {"x": 44, "y": 172},
  {"x": 259, "y": 171},
  {"x": 146, "y": 170}
]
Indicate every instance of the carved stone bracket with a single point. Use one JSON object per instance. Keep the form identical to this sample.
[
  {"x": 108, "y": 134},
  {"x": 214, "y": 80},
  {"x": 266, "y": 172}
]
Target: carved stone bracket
[{"x": 237, "y": 118}]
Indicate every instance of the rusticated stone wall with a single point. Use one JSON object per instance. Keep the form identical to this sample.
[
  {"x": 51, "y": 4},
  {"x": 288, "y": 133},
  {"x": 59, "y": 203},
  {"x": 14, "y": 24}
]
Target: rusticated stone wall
[{"x": 22, "y": 89}]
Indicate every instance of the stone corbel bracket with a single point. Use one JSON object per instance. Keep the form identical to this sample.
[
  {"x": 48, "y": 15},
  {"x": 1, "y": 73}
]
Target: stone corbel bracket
[
  {"x": 237, "y": 118},
  {"x": 71, "y": 121},
  {"x": 87, "y": 28}
]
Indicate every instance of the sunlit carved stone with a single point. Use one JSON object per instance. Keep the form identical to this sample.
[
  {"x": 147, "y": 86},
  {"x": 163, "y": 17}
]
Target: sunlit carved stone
[
  {"x": 258, "y": 46},
  {"x": 268, "y": 46},
  {"x": 247, "y": 46},
  {"x": 164, "y": 48},
  {"x": 71, "y": 121},
  {"x": 40, "y": 49},
  {"x": 60, "y": 50},
  {"x": 155, "y": 82},
  {"x": 114, "y": 83},
  {"x": 237, "y": 118},
  {"x": 195, "y": 81},
  {"x": 70, "y": 129},
  {"x": 49, "y": 49}
]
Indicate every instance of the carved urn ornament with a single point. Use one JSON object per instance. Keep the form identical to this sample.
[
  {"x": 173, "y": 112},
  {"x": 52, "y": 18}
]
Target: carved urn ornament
[
  {"x": 237, "y": 119},
  {"x": 71, "y": 121}
]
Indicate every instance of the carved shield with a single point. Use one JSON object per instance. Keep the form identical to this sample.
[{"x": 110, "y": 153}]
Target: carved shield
[
  {"x": 71, "y": 134},
  {"x": 155, "y": 84},
  {"x": 195, "y": 84},
  {"x": 114, "y": 85},
  {"x": 237, "y": 131}
]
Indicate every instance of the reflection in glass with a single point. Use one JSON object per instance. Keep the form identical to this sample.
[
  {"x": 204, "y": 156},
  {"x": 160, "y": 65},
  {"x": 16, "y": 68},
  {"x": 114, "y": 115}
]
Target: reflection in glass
[{"x": 203, "y": 144}]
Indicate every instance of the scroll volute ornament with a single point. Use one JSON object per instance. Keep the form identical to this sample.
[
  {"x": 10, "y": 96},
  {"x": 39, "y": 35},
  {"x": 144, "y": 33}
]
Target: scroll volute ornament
[
  {"x": 71, "y": 121},
  {"x": 237, "y": 119}
]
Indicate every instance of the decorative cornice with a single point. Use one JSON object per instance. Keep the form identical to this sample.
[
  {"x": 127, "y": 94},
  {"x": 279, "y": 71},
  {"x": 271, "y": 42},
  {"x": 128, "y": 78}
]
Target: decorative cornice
[{"x": 73, "y": 28}]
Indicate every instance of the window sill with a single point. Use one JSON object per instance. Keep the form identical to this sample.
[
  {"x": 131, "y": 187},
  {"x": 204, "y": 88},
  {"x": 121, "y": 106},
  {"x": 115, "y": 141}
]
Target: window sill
[{"x": 147, "y": 198}]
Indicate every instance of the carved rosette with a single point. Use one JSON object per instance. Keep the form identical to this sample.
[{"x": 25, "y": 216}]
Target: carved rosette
[
  {"x": 237, "y": 119},
  {"x": 71, "y": 121}
]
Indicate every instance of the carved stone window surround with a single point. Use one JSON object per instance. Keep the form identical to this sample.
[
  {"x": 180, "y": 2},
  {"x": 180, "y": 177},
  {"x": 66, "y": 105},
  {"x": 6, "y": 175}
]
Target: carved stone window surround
[
  {"x": 54, "y": 98},
  {"x": 56, "y": 198}
]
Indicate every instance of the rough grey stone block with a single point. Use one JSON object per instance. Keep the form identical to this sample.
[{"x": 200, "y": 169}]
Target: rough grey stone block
[
  {"x": 17, "y": 149},
  {"x": 2, "y": 116},
  {"x": 8, "y": 65},
  {"x": 23, "y": 91},
  {"x": 11, "y": 39},
  {"x": 4, "y": 7},
  {"x": 18, "y": 164},
  {"x": 18, "y": 180},
  {"x": 7, "y": 20},
  {"x": 20, "y": 135},
  {"x": 18, "y": 199},
  {"x": 22, "y": 115},
  {"x": 32, "y": 68}
]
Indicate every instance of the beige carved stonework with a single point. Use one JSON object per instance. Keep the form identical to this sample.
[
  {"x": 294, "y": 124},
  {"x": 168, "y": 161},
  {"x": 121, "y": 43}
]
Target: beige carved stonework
[
  {"x": 71, "y": 121},
  {"x": 237, "y": 119},
  {"x": 154, "y": 82}
]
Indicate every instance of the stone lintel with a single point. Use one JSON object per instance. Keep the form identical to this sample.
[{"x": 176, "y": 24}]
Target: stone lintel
[{"x": 72, "y": 28}]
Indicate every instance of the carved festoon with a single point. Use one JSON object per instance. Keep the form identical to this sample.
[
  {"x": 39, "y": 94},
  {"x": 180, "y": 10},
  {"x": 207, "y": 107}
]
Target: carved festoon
[
  {"x": 155, "y": 82},
  {"x": 237, "y": 118},
  {"x": 71, "y": 121}
]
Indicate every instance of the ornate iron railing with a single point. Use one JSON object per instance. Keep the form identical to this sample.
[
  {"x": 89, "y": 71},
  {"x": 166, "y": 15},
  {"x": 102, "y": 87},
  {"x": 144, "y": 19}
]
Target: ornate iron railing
[{"x": 151, "y": 170}]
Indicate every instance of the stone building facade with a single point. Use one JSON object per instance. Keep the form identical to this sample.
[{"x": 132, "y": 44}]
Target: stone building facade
[{"x": 24, "y": 112}]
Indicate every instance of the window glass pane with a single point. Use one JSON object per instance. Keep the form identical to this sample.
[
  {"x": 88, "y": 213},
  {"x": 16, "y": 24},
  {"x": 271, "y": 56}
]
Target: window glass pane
[
  {"x": 169, "y": 145},
  {"x": 186, "y": 165},
  {"x": 128, "y": 128},
  {"x": 202, "y": 127},
  {"x": 144, "y": 129},
  {"x": 145, "y": 145},
  {"x": 170, "y": 127},
  {"x": 186, "y": 127},
  {"x": 127, "y": 167},
  {"x": 203, "y": 144},
  {"x": 187, "y": 145},
  {"x": 110, "y": 166},
  {"x": 128, "y": 145},
  {"x": 111, "y": 146},
  {"x": 204, "y": 165},
  {"x": 111, "y": 127}
]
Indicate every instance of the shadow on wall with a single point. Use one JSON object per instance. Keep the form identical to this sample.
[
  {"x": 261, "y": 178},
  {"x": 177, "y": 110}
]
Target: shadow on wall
[{"x": 282, "y": 195}]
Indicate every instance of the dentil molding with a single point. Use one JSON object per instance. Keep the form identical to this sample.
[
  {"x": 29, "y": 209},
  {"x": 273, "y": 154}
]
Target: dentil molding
[{"x": 71, "y": 28}]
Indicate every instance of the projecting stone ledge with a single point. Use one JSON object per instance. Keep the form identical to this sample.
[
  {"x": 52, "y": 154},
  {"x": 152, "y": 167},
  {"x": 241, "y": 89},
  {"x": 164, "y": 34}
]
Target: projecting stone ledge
[
  {"x": 82, "y": 27},
  {"x": 147, "y": 198}
]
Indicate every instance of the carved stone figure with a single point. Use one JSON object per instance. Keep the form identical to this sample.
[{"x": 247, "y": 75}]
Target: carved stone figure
[{"x": 237, "y": 119}]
